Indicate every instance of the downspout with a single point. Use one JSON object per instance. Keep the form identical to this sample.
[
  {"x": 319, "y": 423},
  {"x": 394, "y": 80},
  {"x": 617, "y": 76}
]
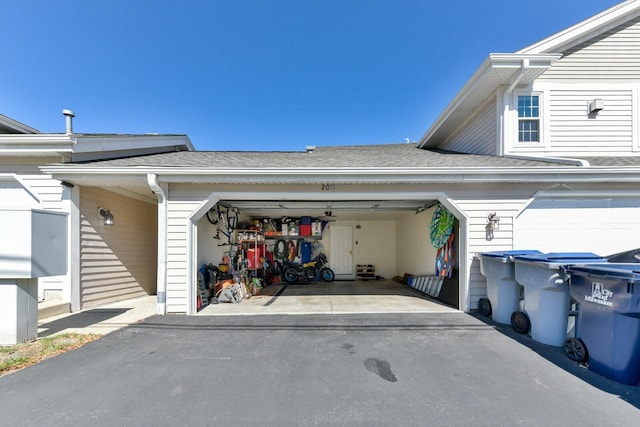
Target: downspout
[
  {"x": 505, "y": 101},
  {"x": 152, "y": 180}
]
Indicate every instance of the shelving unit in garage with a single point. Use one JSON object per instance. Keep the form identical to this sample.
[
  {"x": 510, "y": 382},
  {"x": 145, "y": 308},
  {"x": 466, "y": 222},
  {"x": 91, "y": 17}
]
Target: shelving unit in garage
[
  {"x": 365, "y": 272},
  {"x": 252, "y": 243}
]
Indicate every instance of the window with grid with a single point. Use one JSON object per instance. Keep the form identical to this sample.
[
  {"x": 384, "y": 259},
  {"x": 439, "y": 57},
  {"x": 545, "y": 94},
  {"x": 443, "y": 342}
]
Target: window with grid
[{"x": 528, "y": 118}]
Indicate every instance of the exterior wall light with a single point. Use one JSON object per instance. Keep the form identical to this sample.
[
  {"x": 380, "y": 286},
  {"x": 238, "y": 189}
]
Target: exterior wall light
[
  {"x": 493, "y": 222},
  {"x": 106, "y": 215}
]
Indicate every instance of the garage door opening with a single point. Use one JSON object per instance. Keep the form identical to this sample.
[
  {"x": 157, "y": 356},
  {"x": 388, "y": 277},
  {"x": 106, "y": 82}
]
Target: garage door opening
[{"x": 246, "y": 249}]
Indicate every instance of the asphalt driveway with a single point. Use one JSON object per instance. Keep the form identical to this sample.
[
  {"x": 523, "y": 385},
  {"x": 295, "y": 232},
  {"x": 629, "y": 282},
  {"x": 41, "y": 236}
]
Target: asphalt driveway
[{"x": 304, "y": 370}]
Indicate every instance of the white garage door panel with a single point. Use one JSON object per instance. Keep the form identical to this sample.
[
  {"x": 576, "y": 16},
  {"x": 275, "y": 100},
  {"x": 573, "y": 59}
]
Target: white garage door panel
[{"x": 579, "y": 225}]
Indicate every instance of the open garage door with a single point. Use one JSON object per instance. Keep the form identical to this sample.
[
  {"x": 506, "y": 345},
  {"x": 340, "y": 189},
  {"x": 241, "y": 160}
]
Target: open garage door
[{"x": 371, "y": 246}]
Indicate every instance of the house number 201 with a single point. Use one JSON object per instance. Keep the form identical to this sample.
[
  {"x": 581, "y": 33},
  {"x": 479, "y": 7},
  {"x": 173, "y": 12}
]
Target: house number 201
[{"x": 328, "y": 187}]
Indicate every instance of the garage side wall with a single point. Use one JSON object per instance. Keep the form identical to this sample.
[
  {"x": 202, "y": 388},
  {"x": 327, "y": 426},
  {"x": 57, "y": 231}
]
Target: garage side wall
[
  {"x": 116, "y": 262},
  {"x": 180, "y": 206},
  {"x": 415, "y": 254}
]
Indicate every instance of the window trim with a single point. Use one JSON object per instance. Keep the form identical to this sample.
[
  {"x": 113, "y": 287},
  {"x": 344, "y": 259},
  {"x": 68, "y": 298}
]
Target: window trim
[{"x": 540, "y": 118}]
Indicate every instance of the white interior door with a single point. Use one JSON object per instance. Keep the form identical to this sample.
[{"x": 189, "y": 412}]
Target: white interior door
[{"x": 341, "y": 261}]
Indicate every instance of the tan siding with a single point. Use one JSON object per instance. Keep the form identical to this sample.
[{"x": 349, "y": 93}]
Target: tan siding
[
  {"x": 613, "y": 56},
  {"x": 118, "y": 262},
  {"x": 478, "y": 135}
]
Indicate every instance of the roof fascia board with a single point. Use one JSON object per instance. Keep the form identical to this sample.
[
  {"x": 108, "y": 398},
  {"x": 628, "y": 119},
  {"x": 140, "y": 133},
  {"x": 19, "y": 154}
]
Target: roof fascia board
[
  {"x": 114, "y": 154},
  {"x": 103, "y": 143},
  {"x": 495, "y": 60},
  {"x": 16, "y": 125},
  {"x": 586, "y": 29},
  {"x": 364, "y": 175},
  {"x": 456, "y": 101}
]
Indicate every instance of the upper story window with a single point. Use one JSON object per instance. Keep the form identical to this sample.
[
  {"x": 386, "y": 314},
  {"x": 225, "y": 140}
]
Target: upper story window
[{"x": 528, "y": 118}]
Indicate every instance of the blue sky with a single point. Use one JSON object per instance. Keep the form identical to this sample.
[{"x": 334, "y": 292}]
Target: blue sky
[{"x": 257, "y": 74}]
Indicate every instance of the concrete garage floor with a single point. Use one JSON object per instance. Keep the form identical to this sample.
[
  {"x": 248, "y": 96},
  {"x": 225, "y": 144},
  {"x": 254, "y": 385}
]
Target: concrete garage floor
[{"x": 340, "y": 297}]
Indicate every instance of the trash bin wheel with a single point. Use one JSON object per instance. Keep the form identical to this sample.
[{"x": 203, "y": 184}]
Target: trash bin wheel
[
  {"x": 484, "y": 306},
  {"x": 520, "y": 322},
  {"x": 576, "y": 350}
]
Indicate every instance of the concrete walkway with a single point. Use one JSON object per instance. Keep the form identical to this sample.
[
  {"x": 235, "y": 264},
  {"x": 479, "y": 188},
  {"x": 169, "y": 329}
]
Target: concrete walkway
[{"x": 101, "y": 320}]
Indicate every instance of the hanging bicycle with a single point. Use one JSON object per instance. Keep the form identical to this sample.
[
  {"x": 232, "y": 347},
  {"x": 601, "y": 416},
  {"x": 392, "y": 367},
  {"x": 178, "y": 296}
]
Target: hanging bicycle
[{"x": 225, "y": 221}]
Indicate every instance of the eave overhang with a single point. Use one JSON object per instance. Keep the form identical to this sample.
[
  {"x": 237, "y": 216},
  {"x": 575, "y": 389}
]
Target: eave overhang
[
  {"x": 35, "y": 145},
  {"x": 499, "y": 69},
  {"x": 84, "y": 147},
  {"x": 134, "y": 176}
]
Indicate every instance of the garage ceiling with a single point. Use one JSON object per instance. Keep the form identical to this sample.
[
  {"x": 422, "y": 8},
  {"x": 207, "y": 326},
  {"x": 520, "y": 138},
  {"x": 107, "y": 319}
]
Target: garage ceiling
[{"x": 343, "y": 209}]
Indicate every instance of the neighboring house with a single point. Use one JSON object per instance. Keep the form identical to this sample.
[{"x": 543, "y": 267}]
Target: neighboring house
[
  {"x": 97, "y": 272},
  {"x": 547, "y": 138}
]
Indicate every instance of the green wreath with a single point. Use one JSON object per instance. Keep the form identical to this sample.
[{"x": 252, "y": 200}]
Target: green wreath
[{"x": 441, "y": 226}]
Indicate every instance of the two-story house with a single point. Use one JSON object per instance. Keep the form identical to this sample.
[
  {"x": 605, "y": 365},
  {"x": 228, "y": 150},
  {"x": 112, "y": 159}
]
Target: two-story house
[{"x": 538, "y": 150}]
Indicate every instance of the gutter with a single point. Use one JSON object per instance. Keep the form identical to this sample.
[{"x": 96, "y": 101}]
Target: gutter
[
  {"x": 161, "y": 291},
  {"x": 562, "y": 160},
  {"x": 569, "y": 173}
]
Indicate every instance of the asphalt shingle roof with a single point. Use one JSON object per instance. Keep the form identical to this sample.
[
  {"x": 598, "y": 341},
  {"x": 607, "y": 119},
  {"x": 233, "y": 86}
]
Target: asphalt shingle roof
[
  {"x": 628, "y": 161},
  {"x": 361, "y": 156}
]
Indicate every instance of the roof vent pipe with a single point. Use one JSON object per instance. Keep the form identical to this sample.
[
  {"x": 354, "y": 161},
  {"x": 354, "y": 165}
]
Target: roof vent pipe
[
  {"x": 69, "y": 121},
  {"x": 310, "y": 148}
]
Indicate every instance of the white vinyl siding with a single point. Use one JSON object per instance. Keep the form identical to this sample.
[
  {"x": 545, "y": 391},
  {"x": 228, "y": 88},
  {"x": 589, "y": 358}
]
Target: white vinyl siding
[
  {"x": 573, "y": 131},
  {"x": 477, "y": 209},
  {"x": 478, "y": 135},
  {"x": 117, "y": 262},
  {"x": 181, "y": 204},
  {"x": 38, "y": 191},
  {"x": 612, "y": 56},
  {"x": 47, "y": 190}
]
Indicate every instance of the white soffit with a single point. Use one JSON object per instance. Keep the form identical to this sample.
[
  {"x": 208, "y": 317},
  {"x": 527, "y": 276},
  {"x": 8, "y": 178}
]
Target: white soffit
[{"x": 499, "y": 69}]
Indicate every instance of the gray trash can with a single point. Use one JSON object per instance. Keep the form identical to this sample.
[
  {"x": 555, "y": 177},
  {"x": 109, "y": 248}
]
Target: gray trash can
[
  {"x": 503, "y": 292},
  {"x": 547, "y": 300}
]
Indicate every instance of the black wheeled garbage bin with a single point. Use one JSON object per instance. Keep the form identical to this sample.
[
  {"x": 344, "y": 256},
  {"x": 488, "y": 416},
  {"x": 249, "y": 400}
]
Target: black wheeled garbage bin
[{"x": 608, "y": 323}]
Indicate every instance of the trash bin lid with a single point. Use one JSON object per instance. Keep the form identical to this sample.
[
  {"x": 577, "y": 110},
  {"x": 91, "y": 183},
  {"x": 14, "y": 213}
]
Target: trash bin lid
[
  {"x": 627, "y": 271},
  {"x": 561, "y": 258},
  {"x": 629, "y": 256},
  {"x": 509, "y": 254}
]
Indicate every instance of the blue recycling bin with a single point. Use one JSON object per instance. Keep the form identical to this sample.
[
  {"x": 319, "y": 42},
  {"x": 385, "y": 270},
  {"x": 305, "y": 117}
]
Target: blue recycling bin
[
  {"x": 608, "y": 323},
  {"x": 547, "y": 299},
  {"x": 503, "y": 292}
]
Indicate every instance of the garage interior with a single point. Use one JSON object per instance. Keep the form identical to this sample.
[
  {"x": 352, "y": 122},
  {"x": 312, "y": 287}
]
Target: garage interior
[{"x": 378, "y": 251}]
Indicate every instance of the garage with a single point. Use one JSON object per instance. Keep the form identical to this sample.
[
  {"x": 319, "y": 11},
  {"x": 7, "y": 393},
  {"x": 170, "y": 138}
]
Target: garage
[
  {"x": 579, "y": 221},
  {"x": 373, "y": 249}
]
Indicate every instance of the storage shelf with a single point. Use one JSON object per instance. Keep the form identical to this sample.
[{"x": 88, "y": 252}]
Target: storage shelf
[{"x": 365, "y": 272}]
